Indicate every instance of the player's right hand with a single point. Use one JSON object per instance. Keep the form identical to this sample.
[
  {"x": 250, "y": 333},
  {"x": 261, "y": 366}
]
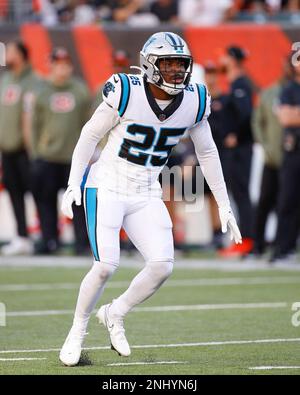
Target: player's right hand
[{"x": 72, "y": 194}]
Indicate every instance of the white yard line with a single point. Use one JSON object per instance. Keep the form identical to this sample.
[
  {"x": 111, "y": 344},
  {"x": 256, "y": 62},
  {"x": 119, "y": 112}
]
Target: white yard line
[
  {"x": 226, "y": 306},
  {"x": 172, "y": 283},
  {"x": 38, "y": 350},
  {"x": 38, "y": 287},
  {"x": 175, "y": 345},
  {"x": 38, "y": 313},
  {"x": 273, "y": 367},
  {"x": 220, "y": 343},
  {"x": 21, "y": 359},
  {"x": 147, "y": 363},
  {"x": 223, "y": 306}
]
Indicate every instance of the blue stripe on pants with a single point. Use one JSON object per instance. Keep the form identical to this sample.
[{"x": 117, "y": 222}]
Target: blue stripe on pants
[
  {"x": 91, "y": 219},
  {"x": 84, "y": 178}
]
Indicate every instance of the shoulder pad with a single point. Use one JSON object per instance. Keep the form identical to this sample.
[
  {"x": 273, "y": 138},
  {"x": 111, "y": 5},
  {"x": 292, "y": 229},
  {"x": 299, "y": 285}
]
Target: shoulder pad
[
  {"x": 116, "y": 92},
  {"x": 204, "y": 100},
  {"x": 135, "y": 79}
]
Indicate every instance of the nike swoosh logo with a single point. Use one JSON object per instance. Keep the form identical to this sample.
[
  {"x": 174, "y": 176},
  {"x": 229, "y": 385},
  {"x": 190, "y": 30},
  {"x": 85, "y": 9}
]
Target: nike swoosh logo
[
  {"x": 109, "y": 326},
  {"x": 116, "y": 80}
]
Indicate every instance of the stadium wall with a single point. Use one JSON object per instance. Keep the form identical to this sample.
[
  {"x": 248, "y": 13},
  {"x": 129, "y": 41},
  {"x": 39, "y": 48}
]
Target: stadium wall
[{"x": 91, "y": 47}]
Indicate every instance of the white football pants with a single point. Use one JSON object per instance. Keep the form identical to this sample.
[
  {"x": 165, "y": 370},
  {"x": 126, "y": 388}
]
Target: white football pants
[
  {"x": 146, "y": 221},
  {"x": 148, "y": 225}
]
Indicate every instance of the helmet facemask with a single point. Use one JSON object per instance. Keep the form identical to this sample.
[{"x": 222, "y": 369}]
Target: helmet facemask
[{"x": 174, "y": 72}]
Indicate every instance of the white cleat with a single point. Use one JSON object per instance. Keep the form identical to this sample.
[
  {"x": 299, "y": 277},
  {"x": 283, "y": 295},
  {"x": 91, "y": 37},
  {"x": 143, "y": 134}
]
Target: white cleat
[
  {"x": 71, "y": 350},
  {"x": 18, "y": 246},
  {"x": 115, "y": 327}
]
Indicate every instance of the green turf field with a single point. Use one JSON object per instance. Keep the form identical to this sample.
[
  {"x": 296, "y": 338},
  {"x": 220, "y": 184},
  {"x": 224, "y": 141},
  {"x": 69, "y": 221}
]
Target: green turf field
[{"x": 213, "y": 322}]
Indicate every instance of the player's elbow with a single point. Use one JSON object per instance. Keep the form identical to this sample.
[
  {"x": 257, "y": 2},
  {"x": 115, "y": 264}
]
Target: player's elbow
[{"x": 88, "y": 135}]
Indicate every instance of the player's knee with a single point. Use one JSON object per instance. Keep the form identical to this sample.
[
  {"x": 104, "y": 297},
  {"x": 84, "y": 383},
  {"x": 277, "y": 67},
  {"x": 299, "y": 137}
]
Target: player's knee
[
  {"x": 106, "y": 272},
  {"x": 167, "y": 268},
  {"x": 161, "y": 270},
  {"x": 103, "y": 271}
]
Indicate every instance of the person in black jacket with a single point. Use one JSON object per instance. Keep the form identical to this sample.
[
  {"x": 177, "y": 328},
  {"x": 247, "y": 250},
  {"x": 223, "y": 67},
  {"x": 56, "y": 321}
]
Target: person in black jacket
[
  {"x": 289, "y": 186},
  {"x": 237, "y": 142}
]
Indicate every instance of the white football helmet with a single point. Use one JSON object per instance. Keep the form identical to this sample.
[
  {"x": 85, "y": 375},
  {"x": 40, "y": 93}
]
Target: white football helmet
[{"x": 165, "y": 45}]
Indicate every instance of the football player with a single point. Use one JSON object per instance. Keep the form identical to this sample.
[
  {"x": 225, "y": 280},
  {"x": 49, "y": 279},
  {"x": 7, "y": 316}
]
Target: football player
[{"x": 145, "y": 116}]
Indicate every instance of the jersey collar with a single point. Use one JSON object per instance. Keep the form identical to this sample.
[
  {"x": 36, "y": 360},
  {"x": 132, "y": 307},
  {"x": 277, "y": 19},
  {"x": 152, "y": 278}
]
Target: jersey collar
[{"x": 162, "y": 115}]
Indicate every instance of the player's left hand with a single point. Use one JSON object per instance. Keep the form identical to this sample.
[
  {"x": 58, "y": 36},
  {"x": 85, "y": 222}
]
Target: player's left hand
[
  {"x": 72, "y": 194},
  {"x": 228, "y": 221}
]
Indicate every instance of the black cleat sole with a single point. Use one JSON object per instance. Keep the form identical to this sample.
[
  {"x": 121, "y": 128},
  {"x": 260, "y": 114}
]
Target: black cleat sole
[{"x": 113, "y": 348}]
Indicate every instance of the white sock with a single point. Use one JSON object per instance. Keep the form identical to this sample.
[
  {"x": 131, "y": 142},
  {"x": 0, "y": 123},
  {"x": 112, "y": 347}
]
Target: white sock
[
  {"x": 90, "y": 291},
  {"x": 144, "y": 284}
]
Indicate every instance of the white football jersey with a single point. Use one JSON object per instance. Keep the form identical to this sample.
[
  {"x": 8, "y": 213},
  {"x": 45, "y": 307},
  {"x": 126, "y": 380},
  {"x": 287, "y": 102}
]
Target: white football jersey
[{"x": 139, "y": 145}]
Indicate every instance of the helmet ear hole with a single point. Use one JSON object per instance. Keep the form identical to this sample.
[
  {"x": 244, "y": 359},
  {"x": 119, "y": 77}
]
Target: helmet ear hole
[
  {"x": 157, "y": 62},
  {"x": 157, "y": 78}
]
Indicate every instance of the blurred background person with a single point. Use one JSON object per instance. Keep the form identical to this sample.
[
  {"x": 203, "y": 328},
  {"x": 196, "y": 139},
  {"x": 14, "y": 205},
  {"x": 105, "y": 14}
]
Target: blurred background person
[
  {"x": 122, "y": 10},
  {"x": 270, "y": 6},
  {"x": 61, "y": 110},
  {"x": 84, "y": 13},
  {"x": 236, "y": 156},
  {"x": 17, "y": 87},
  {"x": 190, "y": 160},
  {"x": 268, "y": 133},
  {"x": 165, "y": 10},
  {"x": 132, "y": 12},
  {"x": 215, "y": 119},
  {"x": 289, "y": 186},
  {"x": 206, "y": 12},
  {"x": 47, "y": 12}
]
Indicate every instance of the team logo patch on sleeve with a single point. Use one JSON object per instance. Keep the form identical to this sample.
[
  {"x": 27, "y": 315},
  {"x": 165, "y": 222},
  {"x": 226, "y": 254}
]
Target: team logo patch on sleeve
[{"x": 108, "y": 87}]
